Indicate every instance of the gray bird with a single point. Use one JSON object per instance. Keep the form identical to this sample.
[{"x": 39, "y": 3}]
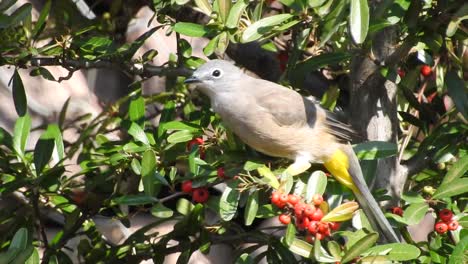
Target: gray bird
[{"x": 280, "y": 122}]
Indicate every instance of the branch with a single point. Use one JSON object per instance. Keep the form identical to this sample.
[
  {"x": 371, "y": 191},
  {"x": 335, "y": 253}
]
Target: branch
[{"x": 145, "y": 70}]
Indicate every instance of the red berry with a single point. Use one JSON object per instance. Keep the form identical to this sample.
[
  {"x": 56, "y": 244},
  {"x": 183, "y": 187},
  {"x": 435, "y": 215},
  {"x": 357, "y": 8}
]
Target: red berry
[
  {"x": 309, "y": 238},
  {"x": 283, "y": 198},
  {"x": 199, "y": 142},
  {"x": 313, "y": 227},
  {"x": 323, "y": 228},
  {"x": 220, "y": 173},
  {"x": 309, "y": 210},
  {"x": 426, "y": 70},
  {"x": 200, "y": 195},
  {"x": 187, "y": 186},
  {"x": 299, "y": 209},
  {"x": 302, "y": 223},
  {"x": 334, "y": 225},
  {"x": 317, "y": 215},
  {"x": 397, "y": 210},
  {"x": 318, "y": 199},
  {"x": 441, "y": 227},
  {"x": 285, "y": 219},
  {"x": 445, "y": 215},
  {"x": 293, "y": 199},
  {"x": 401, "y": 72},
  {"x": 275, "y": 197},
  {"x": 453, "y": 225}
]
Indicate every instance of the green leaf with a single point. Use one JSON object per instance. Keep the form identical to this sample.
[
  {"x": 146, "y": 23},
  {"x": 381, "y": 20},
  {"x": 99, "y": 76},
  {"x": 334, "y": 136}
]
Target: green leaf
[
  {"x": 42, "y": 72},
  {"x": 250, "y": 166},
  {"x": 332, "y": 21},
  {"x": 395, "y": 251},
  {"x": 19, "y": 95},
  {"x": 341, "y": 213},
  {"x": 180, "y": 125},
  {"x": 359, "y": 20},
  {"x": 137, "y": 199},
  {"x": 42, "y": 18},
  {"x": 136, "y": 110},
  {"x": 316, "y": 184},
  {"x": 138, "y": 133},
  {"x": 267, "y": 211},
  {"x": 320, "y": 254},
  {"x": 180, "y": 136},
  {"x": 191, "y": 29},
  {"x": 148, "y": 169},
  {"x": 43, "y": 150},
  {"x": 315, "y": 63},
  {"x": 18, "y": 16},
  {"x": 236, "y": 13},
  {"x": 360, "y": 247},
  {"x": 263, "y": 26},
  {"x": 375, "y": 150},
  {"x": 301, "y": 248},
  {"x": 184, "y": 206},
  {"x": 5, "y": 138},
  {"x": 455, "y": 187},
  {"x": 335, "y": 249},
  {"x": 412, "y": 197},
  {"x": 459, "y": 252},
  {"x": 415, "y": 213},
  {"x": 251, "y": 208},
  {"x": 457, "y": 170},
  {"x": 5, "y": 4},
  {"x": 211, "y": 46},
  {"x": 204, "y": 6},
  {"x": 290, "y": 235},
  {"x": 457, "y": 91},
  {"x": 229, "y": 201},
  {"x": 21, "y": 133},
  {"x": 224, "y": 6},
  {"x": 159, "y": 210},
  {"x": 34, "y": 258},
  {"x": 268, "y": 176}
]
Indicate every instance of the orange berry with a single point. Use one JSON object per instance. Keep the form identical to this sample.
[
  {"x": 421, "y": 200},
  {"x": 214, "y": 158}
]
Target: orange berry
[
  {"x": 397, "y": 210},
  {"x": 426, "y": 70},
  {"x": 313, "y": 227},
  {"x": 334, "y": 225},
  {"x": 317, "y": 215},
  {"x": 441, "y": 227},
  {"x": 318, "y": 199},
  {"x": 293, "y": 199},
  {"x": 220, "y": 173},
  {"x": 299, "y": 209},
  {"x": 453, "y": 225},
  {"x": 275, "y": 197},
  {"x": 283, "y": 198},
  {"x": 285, "y": 219}
]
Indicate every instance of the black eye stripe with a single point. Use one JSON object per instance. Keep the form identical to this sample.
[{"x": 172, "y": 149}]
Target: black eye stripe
[{"x": 216, "y": 73}]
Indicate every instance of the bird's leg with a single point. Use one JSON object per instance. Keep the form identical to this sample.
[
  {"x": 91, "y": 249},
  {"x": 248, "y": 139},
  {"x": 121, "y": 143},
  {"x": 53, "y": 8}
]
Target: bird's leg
[{"x": 300, "y": 165}]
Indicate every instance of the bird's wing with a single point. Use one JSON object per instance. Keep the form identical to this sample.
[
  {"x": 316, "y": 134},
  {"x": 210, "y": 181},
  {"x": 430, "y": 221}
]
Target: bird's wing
[{"x": 285, "y": 105}]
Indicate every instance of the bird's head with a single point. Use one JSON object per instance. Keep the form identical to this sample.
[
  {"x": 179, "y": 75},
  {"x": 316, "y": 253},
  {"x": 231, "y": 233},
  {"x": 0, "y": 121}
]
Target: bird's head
[{"x": 215, "y": 76}]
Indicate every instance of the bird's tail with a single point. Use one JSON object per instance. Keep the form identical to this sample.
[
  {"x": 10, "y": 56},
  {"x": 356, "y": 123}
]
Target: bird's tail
[{"x": 346, "y": 169}]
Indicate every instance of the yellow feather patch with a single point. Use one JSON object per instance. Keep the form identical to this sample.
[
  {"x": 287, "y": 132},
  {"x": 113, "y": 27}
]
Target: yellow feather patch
[{"x": 338, "y": 165}]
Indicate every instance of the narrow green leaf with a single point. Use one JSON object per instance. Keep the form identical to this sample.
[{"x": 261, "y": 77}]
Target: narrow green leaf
[
  {"x": 184, "y": 206},
  {"x": 43, "y": 150},
  {"x": 263, "y": 26},
  {"x": 41, "y": 20},
  {"x": 375, "y": 150},
  {"x": 335, "y": 249},
  {"x": 395, "y": 251},
  {"x": 236, "y": 13},
  {"x": 229, "y": 201},
  {"x": 5, "y": 138},
  {"x": 137, "y": 199},
  {"x": 251, "y": 208},
  {"x": 359, "y": 20},
  {"x": 224, "y": 6},
  {"x": 250, "y": 165},
  {"x": 42, "y": 72},
  {"x": 332, "y": 21},
  {"x": 457, "y": 170},
  {"x": 320, "y": 254},
  {"x": 21, "y": 133},
  {"x": 290, "y": 235},
  {"x": 209, "y": 49},
  {"x": 19, "y": 95},
  {"x": 415, "y": 213},
  {"x": 341, "y": 213},
  {"x": 455, "y": 187},
  {"x": 159, "y": 210},
  {"x": 316, "y": 184},
  {"x": 412, "y": 197},
  {"x": 268, "y": 176},
  {"x": 148, "y": 168},
  {"x": 5, "y": 4},
  {"x": 457, "y": 90},
  {"x": 18, "y": 15},
  {"x": 34, "y": 258},
  {"x": 459, "y": 252},
  {"x": 191, "y": 29},
  {"x": 360, "y": 247}
]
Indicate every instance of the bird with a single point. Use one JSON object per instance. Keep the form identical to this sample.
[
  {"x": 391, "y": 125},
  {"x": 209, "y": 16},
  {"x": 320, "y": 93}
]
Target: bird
[{"x": 280, "y": 122}]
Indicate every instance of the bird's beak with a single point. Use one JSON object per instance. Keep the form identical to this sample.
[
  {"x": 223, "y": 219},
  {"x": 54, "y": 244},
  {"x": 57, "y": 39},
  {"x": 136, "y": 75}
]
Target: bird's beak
[{"x": 192, "y": 79}]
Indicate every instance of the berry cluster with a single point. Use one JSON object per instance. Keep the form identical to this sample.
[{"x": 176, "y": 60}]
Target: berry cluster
[
  {"x": 447, "y": 222},
  {"x": 307, "y": 216},
  {"x": 199, "y": 195}
]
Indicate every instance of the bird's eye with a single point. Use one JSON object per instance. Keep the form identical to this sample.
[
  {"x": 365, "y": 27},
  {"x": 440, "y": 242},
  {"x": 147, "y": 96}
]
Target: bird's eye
[{"x": 216, "y": 73}]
